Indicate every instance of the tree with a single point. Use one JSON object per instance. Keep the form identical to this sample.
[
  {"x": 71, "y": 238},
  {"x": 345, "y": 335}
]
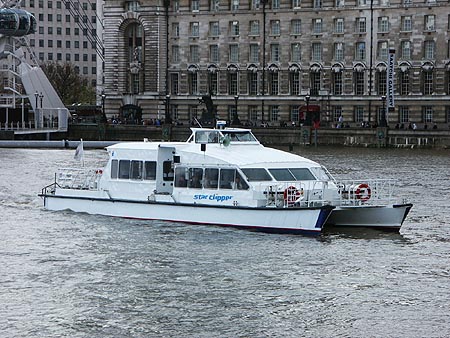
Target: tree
[{"x": 69, "y": 84}]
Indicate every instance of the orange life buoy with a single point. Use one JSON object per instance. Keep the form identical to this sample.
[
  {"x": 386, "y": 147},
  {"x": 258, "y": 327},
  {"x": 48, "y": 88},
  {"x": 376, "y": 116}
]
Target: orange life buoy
[
  {"x": 291, "y": 194},
  {"x": 363, "y": 192}
]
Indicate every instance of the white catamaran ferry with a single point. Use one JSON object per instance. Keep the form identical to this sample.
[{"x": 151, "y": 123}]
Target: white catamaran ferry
[{"x": 223, "y": 177}]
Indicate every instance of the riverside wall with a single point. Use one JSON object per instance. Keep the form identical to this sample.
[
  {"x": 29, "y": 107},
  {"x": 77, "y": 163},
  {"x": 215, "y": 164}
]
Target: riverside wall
[{"x": 274, "y": 136}]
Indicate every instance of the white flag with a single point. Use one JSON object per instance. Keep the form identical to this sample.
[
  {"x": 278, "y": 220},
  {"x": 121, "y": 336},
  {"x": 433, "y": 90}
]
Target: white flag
[{"x": 79, "y": 151}]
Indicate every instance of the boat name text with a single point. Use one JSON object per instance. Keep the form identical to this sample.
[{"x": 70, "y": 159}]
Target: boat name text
[{"x": 218, "y": 198}]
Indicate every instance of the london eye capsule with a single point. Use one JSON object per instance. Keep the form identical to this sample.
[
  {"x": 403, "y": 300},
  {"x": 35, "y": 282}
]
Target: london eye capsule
[{"x": 16, "y": 22}]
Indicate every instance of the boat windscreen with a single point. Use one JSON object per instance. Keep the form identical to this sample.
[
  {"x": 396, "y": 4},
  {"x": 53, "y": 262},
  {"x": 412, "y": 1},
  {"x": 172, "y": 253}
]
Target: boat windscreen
[
  {"x": 302, "y": 174},
  {"x": 282, "y": 174},
  {"x": 256, "y": 174},
  {"x": 240, "y": 136}
]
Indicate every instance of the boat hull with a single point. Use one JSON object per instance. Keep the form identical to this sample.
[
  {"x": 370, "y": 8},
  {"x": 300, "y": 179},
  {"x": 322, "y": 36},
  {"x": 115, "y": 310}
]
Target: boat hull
[
  {"x": 282, "y": 220},
  {"x": 389, "y": 217}
]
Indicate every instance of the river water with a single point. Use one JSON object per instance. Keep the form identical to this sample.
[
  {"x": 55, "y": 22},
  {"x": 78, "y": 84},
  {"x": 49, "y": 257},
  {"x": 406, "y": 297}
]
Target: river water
[{"x": 76, "y": 275}]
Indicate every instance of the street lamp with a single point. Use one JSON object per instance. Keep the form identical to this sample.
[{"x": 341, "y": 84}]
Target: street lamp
[
  {"x": 307, "y": 117},
  {"x": 36, "y": 95},
  {"x": 104, "y": 119},
  {"x": 168, "y": 118},
  {"x": 236, "y": 117},
  {"x": 41, "y": 97},
  {"x": 383, "y": 122}
]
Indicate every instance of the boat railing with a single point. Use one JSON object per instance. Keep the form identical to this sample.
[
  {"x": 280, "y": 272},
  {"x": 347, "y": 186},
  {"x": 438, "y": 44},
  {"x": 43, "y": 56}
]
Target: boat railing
[
  {"x": 293, "y": 194},
  {"x": 80, "y": 179},
  {"x": 363, "y": 192}
]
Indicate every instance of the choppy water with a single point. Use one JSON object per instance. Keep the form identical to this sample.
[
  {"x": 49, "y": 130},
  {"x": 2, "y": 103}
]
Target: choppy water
[{"x": 77, "y": 275}]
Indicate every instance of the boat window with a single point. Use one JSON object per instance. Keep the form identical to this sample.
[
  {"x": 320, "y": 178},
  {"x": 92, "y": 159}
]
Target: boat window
[
  {"x": 240, "y": 136},
  {"x": 210, "y": 136},
  {"x": 257, "y": 174},
  {"x": 167, "y": 171},
  {"x": 239, "y": 183},
  {"x": 114, "y": 168},
  {"x": 195, "y": 178},
  {"x": 181, "y": 177},
  {"x": 282, "y": 174},
  {"x": 211, "y": 180},
  {"x": 136, "y": 170},
  {"x": 321, "y": 174},
  {"x": 124, "y": 169},
  {"x": 150, "y": 170},
  {"x": 302, "y": 174},
  {"x": 227, "y": 178}
]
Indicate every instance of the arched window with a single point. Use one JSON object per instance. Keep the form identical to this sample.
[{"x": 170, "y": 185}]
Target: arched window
[{"x": 135, "y": 57}]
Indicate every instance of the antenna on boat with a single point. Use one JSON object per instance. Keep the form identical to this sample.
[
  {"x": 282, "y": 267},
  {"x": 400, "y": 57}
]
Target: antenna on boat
[{"x": 197, "y": 121}]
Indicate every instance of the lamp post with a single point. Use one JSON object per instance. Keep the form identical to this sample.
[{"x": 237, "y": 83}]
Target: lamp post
[
  {"x": 307, "y": 117},
  {"x": 168, "y": 118},
  {"x": 235, "y": 115},
  {"x": 36, "y": 95},
  {"x": 383, "y": 122},
  {"x": 104, "y": 119},
  {"x": 41, "y": 97}
]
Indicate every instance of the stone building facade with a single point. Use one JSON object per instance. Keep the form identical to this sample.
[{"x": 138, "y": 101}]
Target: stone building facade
[{"x": 264, "y": 61}]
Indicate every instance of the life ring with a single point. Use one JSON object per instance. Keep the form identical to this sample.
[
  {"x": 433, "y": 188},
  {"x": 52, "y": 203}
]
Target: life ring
[
  {"x": 291, "y": 195},
  {"x": 363, "y": 192}
]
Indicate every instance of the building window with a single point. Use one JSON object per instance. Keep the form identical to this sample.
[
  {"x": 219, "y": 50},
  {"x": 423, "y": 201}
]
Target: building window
[
  {"x": 275, "y": 52},
  {"x": 193, "y": 83},
  {"x": 403, "y": 114},
  {"x": 253, "y": 113},
  {"x": 340, "y": 3},
  {"x": 295, "y": 113},
  {"x": 194, "y": 28},
  {"x": 359, "y": 82},
  {"x": 407, "y": 23},
  {"x": 275, "y": 27},
  {"x": 429, "y": 49},
  {"x": 275, "y": 4},
  {"x": 403, "y": 82},
  {"x": 194, "y": 54},
  {"x": 337, "y": 113},
  {"x": 360, "y": 52},
  {"x": 296, "y": 3},
  {"x": 252, "y": 83},
  {"x": 214, "y": 53},
  {"x": 405, "y": 50},
  {"x": 338, "y": 83},
  {"x": 339, "y": 51},
  {"x": 339, "y": 25},
  {"x": 234, "y": 28},
  {"x": 176, "y": 30},
  {"x": 234, "y": 5},
  {"x": 273, "y": 83},
  {"x": 174, "y": 85},
  {"x": 382, "y": 50},
  {"x": 176, "y": 5},
  {"x": 316, "y": 51},
  {"x": 317, "y": 26},
  {"x": 295, "y": 83},
  {"x": 234, "y": 53},
  {"x": 254, "y": 53},
  {"x": 360, "y": 26},
  {"x": 317, "y": 3},
  {"x": 296, "y": 27},
  {"x": 296, "y": 53},
  {"x": 232, "y": 83},
  {"x": 427, "y": 114},
  {"x": 195, "y": 5},
  {"x": 214, "y": 29},
  {"x": 175, "y": 54},
  {"x": 274, "y": 112},
  {"x": 254, "y": 27},
  {"x": 255, "y": 4},
  {"x": 359, "y": 114},
  {"x": 315, "y": 83},
  {"x": 381, "y": 82},
  {"x": 214, "y": 5},
  {"x": 427, "y": 82},
  {"x": 383, "y": 24},
  {"x": 429, "y": 23},
  {"x": 213, "y": 79}
]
